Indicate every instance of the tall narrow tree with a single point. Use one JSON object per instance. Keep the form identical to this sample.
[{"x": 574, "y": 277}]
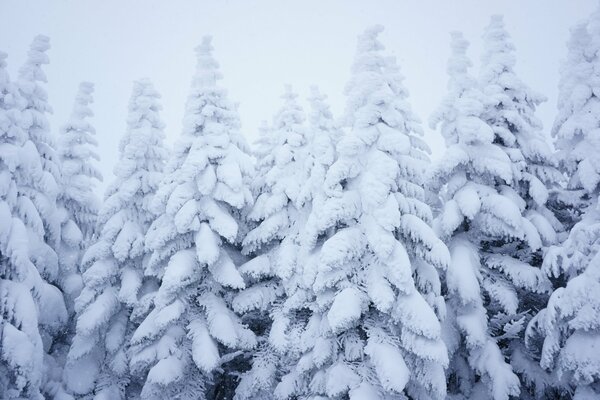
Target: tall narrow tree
[
  {"x": 191, "y": 331},
  {"x": 77, "y": 202},
  {"x": 511, "y": 115},
  {"x": 482, "y": 222},
  {"x": 35, "y": 122},
  {"x": 361, "y": 337},
  {"x": 117, "y": 295},
  {"x": 276, "y": 219},
  {"x": 32, "y": 308},
  {"x": 570, "y": 325},
  {"x": 79, "y": 175}
]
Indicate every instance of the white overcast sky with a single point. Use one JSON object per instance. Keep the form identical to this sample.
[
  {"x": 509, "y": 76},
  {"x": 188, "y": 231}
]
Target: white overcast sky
[{"x": 262, "y": 45}]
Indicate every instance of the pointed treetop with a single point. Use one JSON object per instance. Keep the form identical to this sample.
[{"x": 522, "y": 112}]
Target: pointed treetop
[
  {"x": 367, "y": 48},
  {"x": 291, "y": 112},
  {"x": 205, "y": 48},
  {"x": 82, "y": 100},
  {"x": 579, "y": 38},
  {"x": 85, "y": 92},
  {"x": 459, "y": 63},
  {"x": 459, "y": 46},
  {"x": 317, "y": 99},
  {"x": 143, "y": 104},
  {"x": 367, "y": 41},
  {"x": 319, "y": 106},
  {"x": 496, "y": 21},
  {"x": 36, "y": 56},
  {"x": 498, "y": 54},
  {"x": 207, "y": 69},
  {"x": 289, "y": 96},
  {"x": 142, "y": 144},
  {"x": 143, "y": 101}
]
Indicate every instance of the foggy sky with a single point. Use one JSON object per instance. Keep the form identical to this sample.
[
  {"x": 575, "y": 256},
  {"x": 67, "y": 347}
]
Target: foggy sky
[{"x": 262, "y": 45}]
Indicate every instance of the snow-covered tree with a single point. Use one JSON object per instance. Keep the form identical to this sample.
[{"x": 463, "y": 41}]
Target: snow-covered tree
[
  {"x": 576, "y": 113},
  {"x": 77, "y": 202},
  {"x": 570, "y": 324},
  {"x": 510, "y": 113},
  {"x": 361, "y": 326},
  {"x": 79, "y": 175},
  {"x": 324, "y": 134},
  {"x": 276, "y": 207},
  {"x": 263, "y": 153},
  {"x": 191, "y": 331},
  {"x": 276, "y": 219},
  {"x": 495, "y": 177},
  {"x": 35, "y": 122},
  {"x": 32, "y": 309},
  {"x": 117, "y": 296}
]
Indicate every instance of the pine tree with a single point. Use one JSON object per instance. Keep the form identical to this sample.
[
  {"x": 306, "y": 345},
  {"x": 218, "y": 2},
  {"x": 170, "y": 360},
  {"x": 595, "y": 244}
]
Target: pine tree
[
  {"x": 32, "y": 308},
  {"x": 276, "y": 219},
  {"x": 511, "y": 115},
  {"x": 117, "y": 296},
  {"x": 483, "y": 223},
  {"x": 570, "y": 324},
  {"x": 191, "y": 332},
  {"x": 366, "y": 329}
]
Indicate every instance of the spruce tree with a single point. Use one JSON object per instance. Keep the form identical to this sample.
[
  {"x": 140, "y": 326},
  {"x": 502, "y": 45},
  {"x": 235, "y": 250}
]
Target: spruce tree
[
  {"x": 117, "y": 295},
  {"x": 510, "y": 113},
  {"x": 32, "y": 307},
  {"x": 482, "y": 223},
  {"x": 191, "y": 332},
  {"x": 76, "y": 151},
  {"x": 363, "y": 327},
  {"x": 77, "y": 202},
  {"x": 276, "y": 220},
  {"x": 570, "y": 324},
  {"x": 34, "y": 117}
]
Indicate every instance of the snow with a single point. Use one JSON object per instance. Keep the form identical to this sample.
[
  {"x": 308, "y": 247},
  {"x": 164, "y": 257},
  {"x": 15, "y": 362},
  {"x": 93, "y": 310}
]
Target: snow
[
  {"x": 391, "y": 369},
  {"x": 346, "y": 309},
  {"x": 331, "y": 260}
]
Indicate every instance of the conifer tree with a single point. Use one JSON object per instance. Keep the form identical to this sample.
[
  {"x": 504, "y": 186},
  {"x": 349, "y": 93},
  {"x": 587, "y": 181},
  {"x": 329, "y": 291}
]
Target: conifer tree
[
  {"x": 77, "y": 202},
  {"x": 117, "y": 296},
  {"x": 276, "y": 220},
  {"x": 35, "y": 122},
  {"x": 511, "y": 115},
  {"x": 32, "y": 309},
  {"x": 570, "y": 324},
  {"x": 479, "y": 216},
  {"x": 364, "y": 327},
  {"x": 191, "y": 332},
  {"x": 324, "y": 135},
  {"x": 76, "y": 151},
  {"x": 263, "y": 153}
]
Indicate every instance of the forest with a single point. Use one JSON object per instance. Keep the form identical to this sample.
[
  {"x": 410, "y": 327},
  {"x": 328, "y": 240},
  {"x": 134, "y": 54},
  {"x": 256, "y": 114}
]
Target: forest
[{"x": 332, "y": 259}]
